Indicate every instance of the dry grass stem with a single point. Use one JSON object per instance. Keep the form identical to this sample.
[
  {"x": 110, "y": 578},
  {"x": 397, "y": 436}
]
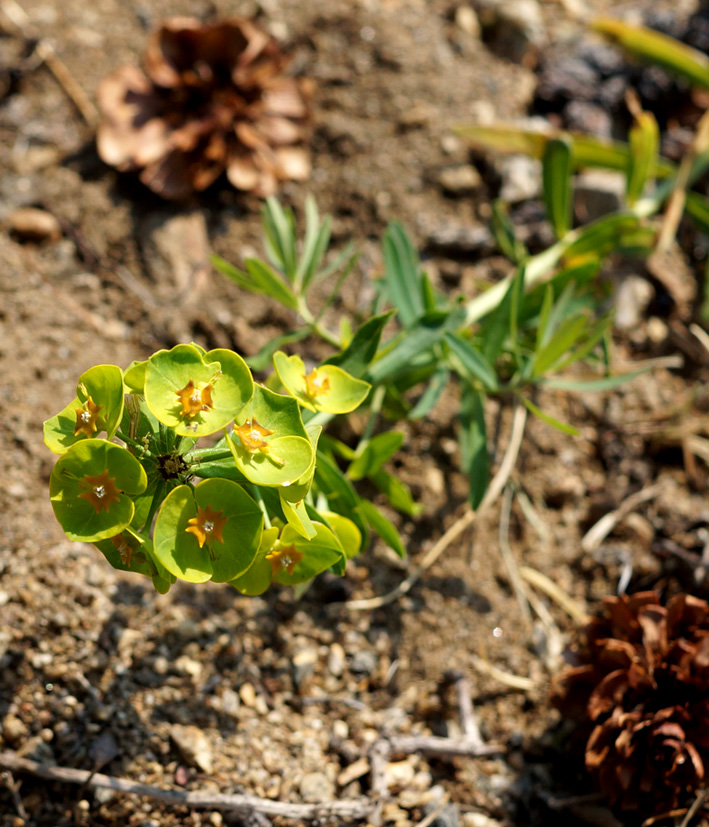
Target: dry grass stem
[
  {"x": 509, "y": 560},
  {"x": 507, "y": 678},
  {"x": 556, "y": 593},
  {"x": 597, "y": 533},
  {"x": 494, "y": 490}
]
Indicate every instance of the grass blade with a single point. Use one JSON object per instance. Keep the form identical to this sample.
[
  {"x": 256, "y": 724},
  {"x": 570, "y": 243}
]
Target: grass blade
[{"x": 557, "y": 168}]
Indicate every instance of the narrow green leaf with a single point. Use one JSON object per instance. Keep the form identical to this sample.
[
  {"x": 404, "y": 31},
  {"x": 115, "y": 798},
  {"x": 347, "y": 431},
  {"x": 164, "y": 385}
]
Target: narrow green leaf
[
  {"x": 657, "y": 48},
  {"x": 603, "y": 236},
  {"x": 606, "y": 383},
  {"x": 697, "y": 206},
  {"x": 474, "y": 456},
  {"x": 280, "y": 234},
  {"x": 402, "y": 277},
  {"x": 339, "y": 491},
  {"x": 271, "y": 285},
  {"x": 593, "y": 337},
  {"x": 473, "y": 362},
  {"x": 505, "y": 234},
  {"x": 545, "y": 417},
  {"x": 568, "y": 333},
  {"x": 397, "y": 492},
  {"x": 644, "y": 148},
  {"x": 383, "y": 526},
  {"x": 428, "y": 294},
  {"x": 429, "y": 398},
  {"x": 357, "y": 357},
  {"x": 380, "y": 449},
  {"x": 544, "y": 315},
  {"x": 557, "y": 167},
  {"x": 498, "y": 324}
]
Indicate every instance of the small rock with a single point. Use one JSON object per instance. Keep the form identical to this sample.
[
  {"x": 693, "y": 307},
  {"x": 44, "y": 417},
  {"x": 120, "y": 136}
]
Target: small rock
[
  {"x": 515, "y": 28},
  {"x": 185, "y": 665},
  {"x": 566, "y": 79},
  {"x": 316, "y": 788},
  {"x": 460, "y": 180},
  {"x": 13, "y": 729},
  {"x": 230, "y": 703},
  {"x": 193, "y": 746},
  {"x": 304, "y": 664},
  {"x": 364, "y": 662},
  {"x": 597, "y": 193},
  {"x": 588, "y": 117},
  {"x": 467, "y": 20},
  {"x": 398, "y": 775},
  {"x": 32, "y": 224},
  {"x": 631, "y": 301},
  {"x": 336, "y": 660},
  {"x": 247, "y": 693},
  {"x": 459, "y": 240},
  {"x": 521, "y": 178}
]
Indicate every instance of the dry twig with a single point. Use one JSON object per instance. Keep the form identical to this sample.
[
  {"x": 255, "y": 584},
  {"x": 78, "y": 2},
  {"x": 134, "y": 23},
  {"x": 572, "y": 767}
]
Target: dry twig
[
  {"x": 509, "y": 560},
  {"x": 508, "y": 679},
  {"x": 554, "y": 592},
  {"x": 598, "y": 532},
  {"x": 468, "y": 517},
  {"x": 14, "y": 787},
  {"x": 343, "y": 809},
  {"x": 17, "y": 16}
]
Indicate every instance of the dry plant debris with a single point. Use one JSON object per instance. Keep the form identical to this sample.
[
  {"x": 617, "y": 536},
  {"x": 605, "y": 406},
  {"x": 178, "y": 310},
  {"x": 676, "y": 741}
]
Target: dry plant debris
[
  {"x": 640, "y": 673},
  {"x": 209, "y": 99}
]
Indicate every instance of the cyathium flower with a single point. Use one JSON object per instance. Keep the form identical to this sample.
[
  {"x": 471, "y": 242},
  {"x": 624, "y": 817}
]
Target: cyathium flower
[{"x": 207, "y": 526}]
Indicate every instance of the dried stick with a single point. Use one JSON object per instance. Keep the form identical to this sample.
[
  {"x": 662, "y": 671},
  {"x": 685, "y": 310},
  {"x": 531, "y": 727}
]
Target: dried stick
[
  {"x": 14, "y": 788},
  {"x": 44, "y": 49},
  {"x": 551, "y": 590},
  {"x": 597, "y": 533},
  {"x": 345, "y": 809},
  {"x": 493, "y": 492},
  {"x": 441, "y": 747},
  {"x": 696, "y": 806},
  {"x": 507, "y": 678},
  {"x": 468, "y": 721},
  {"x": 437, "y": 810}
]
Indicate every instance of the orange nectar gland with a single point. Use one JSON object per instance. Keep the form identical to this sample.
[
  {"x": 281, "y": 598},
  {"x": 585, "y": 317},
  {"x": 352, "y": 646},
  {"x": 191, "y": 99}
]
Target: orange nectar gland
[
  {"x": 207, "y": 525},
  {"x": 100, "y": 491},
  {"x": 122, "y": 547},
  {"x": 195, "y": 400},
  {"x": 252, "y": 436},
  {"x": 316, "y": 385},
  {"x": 286, "y": 558},
  {"x": 86, "y": 418}
]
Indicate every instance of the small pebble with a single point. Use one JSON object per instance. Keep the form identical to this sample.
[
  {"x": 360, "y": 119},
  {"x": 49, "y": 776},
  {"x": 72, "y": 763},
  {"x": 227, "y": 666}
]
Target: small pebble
[
  {"x": 32, "y": 224},
  {"x": 193, "y": 745}
]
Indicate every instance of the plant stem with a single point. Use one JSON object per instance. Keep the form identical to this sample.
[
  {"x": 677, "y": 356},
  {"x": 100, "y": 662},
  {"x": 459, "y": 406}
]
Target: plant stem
[
  {"x": 262, "y": 505},
  {"x": 138, "y": 445},
  {"x": 315, "y": 325},
  {"x": 202, "y": 455}
]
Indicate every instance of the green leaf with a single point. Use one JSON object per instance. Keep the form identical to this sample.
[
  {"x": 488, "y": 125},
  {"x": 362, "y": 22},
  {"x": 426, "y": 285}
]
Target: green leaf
[
  {"x": 319, "y": 553},
  {"x": 338, "y": 490},
  {"x": 502, "y": 322},
  {"x": 569, "y": 332},
  {"x": 336, "y": 391},
  {"x": 604, "y": 235},
  {"x": 402, "y": 279},
  {"x": 697, "y": 206},
  {"x": 557, "y": 168},
  {"x": 346, "y": 532},
  {"x": 545, "y": 417},
  {"x": 397, "y": 492},
  {"x": 588, "y": 150},
  {"x": 383, "y": 526},
  {"x": 103, "y": 384},
  {"x": 429, "y": 398},
  {"x": 378, "y": 450},
  {"x": 474, "y": 456},
  {"x": 505, "y": 233},
  {"x": 270, "y": 283},
  {"x": 134, "y": 376},
  {"x": 644, "y": 149},
  {"x": 605, "y": 383},
  {"x": 544, "y": 314},
  {"x": 657, "y": 48},
  {"x": 287, "y": 459},
  {"x": 258, "y": 576},
  {"x": 108, "y": 470},
  {"x": 473, "y": 362},
  {"x": 360, "y": 352},
  {"x": 279, "y": 227},
  {"x": 317, "y": 238},
  {"x": 178, "y": 549},
  {"x": 170, "y": 371}
]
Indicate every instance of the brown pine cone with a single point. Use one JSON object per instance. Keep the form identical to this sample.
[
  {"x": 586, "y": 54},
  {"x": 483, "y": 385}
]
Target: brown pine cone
[
  {"x": 211, "y": 98},
  {"x": 641, "y": 674}
]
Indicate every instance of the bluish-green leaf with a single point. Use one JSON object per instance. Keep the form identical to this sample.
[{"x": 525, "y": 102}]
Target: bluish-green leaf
[
  {"x": 473, "y": 362},
  {"x": 383, "y": 526},
  {"x": 402, "y": 278},
  {"x": 375, "y": 453},
  {"x": 357, "y": 357},
  {"x": 429, "y": 398},
  {"x": 270, "y": 283}
]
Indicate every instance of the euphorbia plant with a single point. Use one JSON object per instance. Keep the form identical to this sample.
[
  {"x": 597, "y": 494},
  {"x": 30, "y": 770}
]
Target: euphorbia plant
[{"x": 247, "y": 510}]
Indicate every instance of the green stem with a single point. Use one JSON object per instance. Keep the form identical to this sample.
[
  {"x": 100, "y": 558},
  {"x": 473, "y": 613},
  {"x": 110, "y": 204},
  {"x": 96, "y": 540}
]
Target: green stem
[
  {"x": 158, "y": 498},
  {"x": 137, "y": 445},
  {"x": 315, "y": 325},
  {"x": 262, "y": 505},
  {"x": 203, "y": 455}
]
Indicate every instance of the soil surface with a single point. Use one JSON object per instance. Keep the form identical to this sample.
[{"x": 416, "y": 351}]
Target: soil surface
[{"x": 284, "y": 695}]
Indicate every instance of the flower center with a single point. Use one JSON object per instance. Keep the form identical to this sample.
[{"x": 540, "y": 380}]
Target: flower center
[
  {"x": 99, "y": 490},
  {"x": 195, "y": 400}
]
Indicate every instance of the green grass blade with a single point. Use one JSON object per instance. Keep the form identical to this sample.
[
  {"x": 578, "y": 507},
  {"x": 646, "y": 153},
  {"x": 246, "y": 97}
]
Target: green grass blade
[
  {"x": 557, "y": 168},
  {"x": 474, "y": 455},
  {"x": 642, "y": 161},
  {"x": 472, "y": 361}
]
